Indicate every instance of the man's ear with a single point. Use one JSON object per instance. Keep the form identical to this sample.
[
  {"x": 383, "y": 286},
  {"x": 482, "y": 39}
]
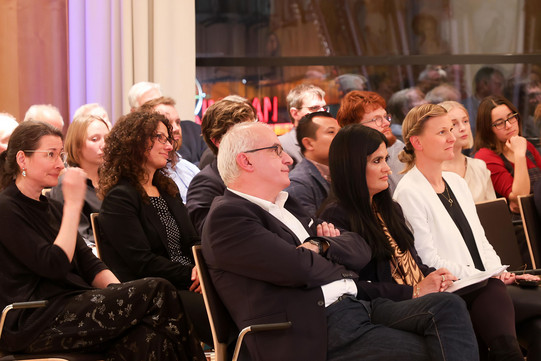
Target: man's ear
[
  {"x": 416, "y": 142},
  {"x": 243, "y": 161},
  {"x": 293, "y": 112},
  {"x": 308, "y": 143}
]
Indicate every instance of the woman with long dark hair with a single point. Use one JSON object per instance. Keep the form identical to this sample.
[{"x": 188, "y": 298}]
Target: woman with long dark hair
[{"x": 363, "y": 204}]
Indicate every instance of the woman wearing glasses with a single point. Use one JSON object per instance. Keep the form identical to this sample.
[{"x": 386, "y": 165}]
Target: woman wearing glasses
[
  {"x": 44, "y": 258},
  {"x": 146, "y": 231},
  {"x": 512, "y": 160},
  {"x": 368, "y": 109},
  {"x": 84, "y": 149}
]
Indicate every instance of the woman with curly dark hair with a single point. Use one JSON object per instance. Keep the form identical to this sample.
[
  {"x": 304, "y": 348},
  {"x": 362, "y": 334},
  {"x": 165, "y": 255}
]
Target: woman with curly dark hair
[
  {"x": 144, "y": 225},
  {"x": 43, "y": 257}
]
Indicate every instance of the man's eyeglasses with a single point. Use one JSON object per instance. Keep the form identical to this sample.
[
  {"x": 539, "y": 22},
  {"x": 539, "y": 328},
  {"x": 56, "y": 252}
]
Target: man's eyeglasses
[
  {"x": 500, "y": 124},
  {"x": 380, "y": 121},
  {"x": 317, "y": 108},
  {"x": 162, "y": 138},
  {"x": 277, "y": 149},
  {"x": 52, "y": 156}
]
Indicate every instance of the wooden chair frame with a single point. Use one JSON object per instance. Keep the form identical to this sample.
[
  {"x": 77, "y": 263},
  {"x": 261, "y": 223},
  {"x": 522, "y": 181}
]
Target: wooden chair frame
[{"x": 218, "y": 323}]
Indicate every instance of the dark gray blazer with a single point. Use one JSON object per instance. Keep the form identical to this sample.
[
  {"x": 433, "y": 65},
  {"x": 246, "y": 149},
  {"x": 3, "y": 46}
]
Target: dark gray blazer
[{"x": 308, "y": 186}]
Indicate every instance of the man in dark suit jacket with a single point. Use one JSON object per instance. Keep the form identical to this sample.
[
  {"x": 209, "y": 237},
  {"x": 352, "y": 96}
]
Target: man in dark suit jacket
[
  {"x": 310, "y": 179},
  {"x": 193, "y": 145},
  {"x": 208, "y": 184},
  {"x": 269, "y": 266}
]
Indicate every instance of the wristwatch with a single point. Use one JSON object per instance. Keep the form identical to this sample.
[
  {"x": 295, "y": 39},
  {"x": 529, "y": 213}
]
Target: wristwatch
[{"x": 318, "y": 244}]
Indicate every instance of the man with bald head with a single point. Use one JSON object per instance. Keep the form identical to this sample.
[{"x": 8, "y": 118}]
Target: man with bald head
[{"x": 46, "y": 113}]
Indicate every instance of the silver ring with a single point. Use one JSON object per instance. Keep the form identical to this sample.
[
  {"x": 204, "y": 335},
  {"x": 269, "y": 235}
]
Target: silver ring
[{"x": 442, "y": 278}]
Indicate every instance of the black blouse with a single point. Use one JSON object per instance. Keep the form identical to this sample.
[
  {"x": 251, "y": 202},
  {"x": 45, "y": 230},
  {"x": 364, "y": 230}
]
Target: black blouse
[
  {"x": 33, "y": 268},
  {"x": 450, "y": 203}
]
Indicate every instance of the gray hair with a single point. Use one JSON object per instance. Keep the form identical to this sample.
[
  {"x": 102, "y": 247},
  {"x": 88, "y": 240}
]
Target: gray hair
[
  {"x": 239, "y": 138},
  {"x": 139, "y": 89},
  {"x": 41, "y": 112},
  {"x": 91, "y": 109},
  {"x": 296, "y": 95}
]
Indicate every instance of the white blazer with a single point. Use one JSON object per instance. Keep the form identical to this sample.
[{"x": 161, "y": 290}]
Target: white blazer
[{"x": 437, "y": 239}]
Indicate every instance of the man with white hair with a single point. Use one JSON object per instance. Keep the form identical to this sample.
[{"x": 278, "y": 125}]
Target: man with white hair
[
  {"x": 270, "y": 262},
  {"x": 7, "y": 126},
  {"x": 45, "y": 113},
  {"x": 142, "y": 92}
]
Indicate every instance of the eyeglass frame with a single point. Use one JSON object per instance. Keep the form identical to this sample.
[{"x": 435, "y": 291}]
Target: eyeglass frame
[
  {"x": 160, "y": 136},
  {"x": 51, "y": 154},
  {"x": 324, "y": 107},
  {"x": 500, "y": 124},
  {"x": 379, "y": 119},
  {"x": 278, "y": 149}
]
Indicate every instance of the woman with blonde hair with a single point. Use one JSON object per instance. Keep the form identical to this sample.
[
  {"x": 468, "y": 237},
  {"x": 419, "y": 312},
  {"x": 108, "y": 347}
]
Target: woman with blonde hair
[
  {"x": 439, "y": 207},
  {"x": 474, "y": 171},
  {"x": 84, "y": 148}
]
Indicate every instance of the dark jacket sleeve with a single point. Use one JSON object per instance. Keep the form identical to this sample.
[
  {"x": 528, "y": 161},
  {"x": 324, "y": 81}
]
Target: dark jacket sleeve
[
  {"x": 132, "y": 246},
  {"x": 206, "y": 185},
  {"x": 240, "y": 234}
]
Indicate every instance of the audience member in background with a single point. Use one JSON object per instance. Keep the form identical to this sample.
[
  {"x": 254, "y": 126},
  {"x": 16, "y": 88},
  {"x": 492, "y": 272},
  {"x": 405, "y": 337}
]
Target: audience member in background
[
  {"x": 84, "y": 149},
  {"x": 261, "y": 244},
  {"x": 183, "y": 171},
  {"x": 431, "y": 77},
  {"x": 8, "y": 123},
  {"x": 514, "y": 163},
  {"x": 145, "y": 226},
  {"x": 400, "y": 104},
  {"x": 526, "y": 93},
  {"x": 208, "y": 184},
  {"x": 474, "y": 171},
  {"x": 208, "y": 155},
  {"x": 44, "y": 258},
  {"x": 310, "y": 179},
  {"x": 346, "y": 83},
  {"x": 362, "y": 203},
  {"x": 441, "y": 93},
  {"x": 301, "y": 100},
  {"x": 93, "y": 109},
  {"x": 487, "y": 81},
  {"x": 45, "y": 113},
  {"x": 193, "y": 145},
  {"x": 142, "y": 92},
  {"x": 368, "y": 109}
]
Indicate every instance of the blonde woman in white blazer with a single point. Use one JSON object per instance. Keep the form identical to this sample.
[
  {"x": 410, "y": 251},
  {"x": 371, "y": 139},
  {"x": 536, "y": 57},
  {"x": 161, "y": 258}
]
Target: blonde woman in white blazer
[{"x": 441, "y": 213}]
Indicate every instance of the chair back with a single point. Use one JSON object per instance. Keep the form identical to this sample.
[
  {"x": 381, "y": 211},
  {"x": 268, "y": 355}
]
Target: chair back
[
  {"x": 224, "y": 330},
  {"x": 96, "y": 231},
  {"x": 532, "y": 226},
  {"x": 500, "y": 232}
]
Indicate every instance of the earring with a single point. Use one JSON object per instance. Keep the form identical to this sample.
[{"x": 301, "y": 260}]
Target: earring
[{"x": 24, "y": 172}]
